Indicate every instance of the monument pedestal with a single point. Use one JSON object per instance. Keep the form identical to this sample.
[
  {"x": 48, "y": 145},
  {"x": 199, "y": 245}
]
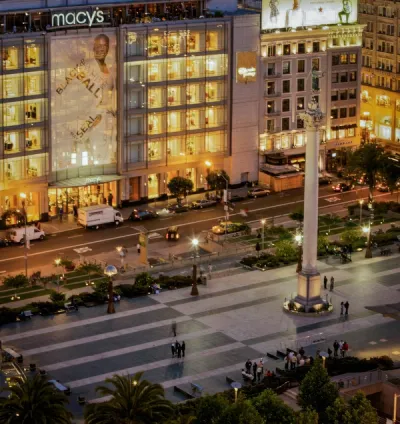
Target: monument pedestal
[{"x": 309, "y": 291}]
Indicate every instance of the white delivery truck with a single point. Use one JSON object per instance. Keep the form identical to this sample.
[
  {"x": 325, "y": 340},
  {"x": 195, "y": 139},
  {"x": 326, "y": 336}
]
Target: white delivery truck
[
  {"x": 17, "y": 235},
  {"x": 99, "y": 215}
]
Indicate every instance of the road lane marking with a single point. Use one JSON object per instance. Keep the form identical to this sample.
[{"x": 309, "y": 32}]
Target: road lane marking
[
  {"x": 165, "y": 219},
  {"x": 190, "y": 224},
  {"x": 78, "y": 235}
]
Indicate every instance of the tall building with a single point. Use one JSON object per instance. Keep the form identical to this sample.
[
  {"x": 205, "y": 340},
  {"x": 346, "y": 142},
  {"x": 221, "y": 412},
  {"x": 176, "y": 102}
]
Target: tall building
[
  {"x": 108, "y": 103},
  {"x": 304, "y": 44},
  {"x": 380, "y": 95}
]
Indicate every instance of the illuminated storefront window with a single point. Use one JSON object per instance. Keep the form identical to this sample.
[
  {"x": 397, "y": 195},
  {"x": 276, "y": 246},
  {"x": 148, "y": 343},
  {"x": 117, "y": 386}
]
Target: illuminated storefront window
[
  {"x": 152, "y": 186},
  {"x": 385, "y": 132},
  {"x": 10, "y": 58},
  {"x": 9, "y": 200},
  {"x": 154, "y": 151}
]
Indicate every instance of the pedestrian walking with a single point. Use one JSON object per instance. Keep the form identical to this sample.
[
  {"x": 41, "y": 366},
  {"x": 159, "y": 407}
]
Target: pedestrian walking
[
  {"x": 173, "y": 349},
  {"x": 335, "y": 348},
  {"x": 138, "y": 248},
  {"x": 183, "y": 346},
  {"x": 341, "y": 308},
  {"x": 60, "y": 214},
  {"x": 330, "y": 352},
  {"x": 302, "y": 351},
  {"x": 346, "y": 306},
  {"x": 247, "y": 365},
  {"x": 255, "y": 369},
  {"x": 178, "y": 348},
  {"x": 325, "y": 282},
  {"x": 345, "y": 348},
  {"x": 332, "y": 284},
  {"x": 173, "y": 328}
]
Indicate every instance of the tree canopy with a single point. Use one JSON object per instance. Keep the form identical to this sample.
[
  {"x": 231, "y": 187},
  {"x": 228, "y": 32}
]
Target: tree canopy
[
  {"x": 180, "y": 186},
  {"x": 217, "y": 179}
]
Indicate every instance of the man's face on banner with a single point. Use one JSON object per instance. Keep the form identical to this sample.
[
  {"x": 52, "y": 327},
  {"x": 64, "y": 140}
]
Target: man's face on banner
[{"x": 100, "y": 48}]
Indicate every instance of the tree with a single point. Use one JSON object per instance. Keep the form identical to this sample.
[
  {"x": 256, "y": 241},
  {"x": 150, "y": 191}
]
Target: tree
[
  {"x": 357, "y": 411},
  {"x": 242, "y": 412},
  {"x": 297, "y": 215},
  {"x": 57, "y": 297},
  {"x": 350, "y": 236},
  {"x": 16, "y": 282},
  {"x": 391, "y": 174},
  {"x": 286, "y": 249},
  {"x": 90, "y": 268},
  {"x": 180, "y": 187},
  {"x": 133, "y": 401},
  {"x": 216, "y": 180},
  {"x": 33, "y": 400},
  {"x": 272, "y": 409},
  {"x": 210, "y": 408},
  {"x": 317, "y": 391},
  {"x": 309, "y": 416},
  {"x": 368, "y": 161},
  {"x": 143, "y": 279},
  {"x": 329, "y": 221}
]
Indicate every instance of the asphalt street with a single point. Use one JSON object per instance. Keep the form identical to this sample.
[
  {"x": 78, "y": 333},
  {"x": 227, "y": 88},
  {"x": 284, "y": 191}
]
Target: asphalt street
[{"x": 191, "y": 224}]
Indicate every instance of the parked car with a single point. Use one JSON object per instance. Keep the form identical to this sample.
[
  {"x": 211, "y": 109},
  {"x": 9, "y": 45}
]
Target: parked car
[
  {"x": 258, "y": 192},
  {"x": 236, "y": 198},
  {"x": 172, "y": 233},
  {"x": 382, "y": 187},
  {"x": 341, "y": 187},
  {"x": 17, "y": 235},
  {"x": 229, "y": 227},
  {"x": 324, "y": 180},
  {"x": 139, "y": 215},
  {"x": 177, "y": 208},
  {"x": 203, "y": 203},
  {"x": 4, "y": 242}
]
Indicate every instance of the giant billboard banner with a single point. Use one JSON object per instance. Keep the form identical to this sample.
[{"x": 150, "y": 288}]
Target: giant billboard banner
[
  {"x": 293, "y": 14},
  {"x": 83, "y": 100}
]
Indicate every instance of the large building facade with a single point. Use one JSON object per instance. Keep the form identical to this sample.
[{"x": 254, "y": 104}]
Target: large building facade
[
  {"x": 109, "y": 103},
  {"x": 380, "y": 95}
]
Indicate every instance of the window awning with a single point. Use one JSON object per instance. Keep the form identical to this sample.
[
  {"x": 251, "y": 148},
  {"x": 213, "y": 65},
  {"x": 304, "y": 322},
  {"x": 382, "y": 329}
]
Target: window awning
[{"x": 85, "y": 181}]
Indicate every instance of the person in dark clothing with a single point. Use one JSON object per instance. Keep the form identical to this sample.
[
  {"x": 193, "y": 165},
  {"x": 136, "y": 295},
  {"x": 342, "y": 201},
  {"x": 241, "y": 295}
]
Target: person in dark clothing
[
  {"x": 332, "y": 284},
  {"x": 247, "y": 365},
  {"x": 346, "y": 307},
  {"x": 173, "y": 327},
  {"x": 110, "y": 198},
  {"x": 173, "y": 350},
  {"x": 183, "y": 349},
  {"x": 178, "y": 348},
  {"x": 255, "y": 370},
  {"x": 302, "y": 351},
  {"x": 325, "y": 282},
  {"x": 311, "y": 360},
  {"x": 330, "y": 352},
  {"x": 335, "y": 348}
]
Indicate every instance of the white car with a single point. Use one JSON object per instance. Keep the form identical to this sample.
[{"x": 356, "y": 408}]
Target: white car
[
  {"x": 17, "y": 235},
  {"x": 258, "y": 192}
]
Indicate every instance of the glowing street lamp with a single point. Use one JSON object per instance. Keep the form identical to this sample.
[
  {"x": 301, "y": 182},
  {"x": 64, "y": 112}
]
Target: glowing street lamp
[
  {"x": 195, "y": 290},
  {"x": 299, "y": 239},
  {"x": 23, "y": 199},
  {"x": 110, "y": 271},
  {"x": 361, "y": 201},
  {"x": 57, "y": 262},
  {"x": 263, "y": 221}
]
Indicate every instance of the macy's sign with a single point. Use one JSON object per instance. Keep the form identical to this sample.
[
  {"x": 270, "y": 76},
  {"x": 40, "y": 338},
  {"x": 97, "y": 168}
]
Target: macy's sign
[{"x": 77, "y": 18}]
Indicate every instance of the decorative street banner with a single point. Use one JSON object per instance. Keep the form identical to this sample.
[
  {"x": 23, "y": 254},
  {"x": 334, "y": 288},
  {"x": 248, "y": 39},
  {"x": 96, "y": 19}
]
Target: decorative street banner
[
  {"x": 83, "y": 100},
  {"x": 301, "y": 13}
]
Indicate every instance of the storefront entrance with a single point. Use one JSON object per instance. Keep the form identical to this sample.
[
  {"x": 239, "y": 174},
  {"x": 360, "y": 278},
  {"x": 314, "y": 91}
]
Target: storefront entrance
[{"x": 82, "y": 196}]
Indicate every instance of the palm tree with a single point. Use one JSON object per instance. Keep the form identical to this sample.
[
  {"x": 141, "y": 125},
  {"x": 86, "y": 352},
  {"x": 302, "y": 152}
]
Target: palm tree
[
  {"x": 133, "y": 401},
  {"x": 34, "y": 400},
  {"x": 368, "y": 161}
]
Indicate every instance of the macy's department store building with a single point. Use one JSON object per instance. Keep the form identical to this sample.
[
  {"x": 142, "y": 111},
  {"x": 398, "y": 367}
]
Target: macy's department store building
[{"x": 109, "y": 103}]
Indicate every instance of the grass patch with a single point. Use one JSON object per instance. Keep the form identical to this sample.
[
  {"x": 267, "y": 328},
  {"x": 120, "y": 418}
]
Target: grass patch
[
  {"x": 26, "y": 295},
  {"x": 4, "y": 290}
]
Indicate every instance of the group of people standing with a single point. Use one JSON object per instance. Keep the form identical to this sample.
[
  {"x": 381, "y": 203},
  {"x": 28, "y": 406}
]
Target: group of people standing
[
  {"x": 331, "y": 285},
  {"x": 341, "y": 347},
  {"x": 300, "y": 359},
  {"x": 178, "y": 349},
  {"x": 255, "y": 371}
]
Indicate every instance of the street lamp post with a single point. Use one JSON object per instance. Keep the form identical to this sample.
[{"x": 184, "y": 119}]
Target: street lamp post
[
  {"x": 58, "y": 263},
  {"x": 226, "y": 208},
  {"x": 367, "y": 231},
  {"x": 23, "y": 197},
  {"x": 298, "y": 237},
  {"x": 361, "y": 201},
  {"x": 110, "y": 271},
  {"x": 195, "y": 290},
  {"x": 262, "y": 234}
]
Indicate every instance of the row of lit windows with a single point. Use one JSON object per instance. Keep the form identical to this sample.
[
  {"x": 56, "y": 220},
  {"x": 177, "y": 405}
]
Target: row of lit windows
[
  {"x": 162, "y": 42},
  {"x": 21, "y": 168},
  {"x": 176, "y": 95},
  {"x": 19, "y": 113},
  {"x": 18, "y": 85},
  {"x": 286, "y": 69},
  {"x": 176, "y": 121},
  {"x": 28, "y": 56},
  {"x": 343, "y": 112},
  {"x": 23, "y": 141},
  {"x": 176, "y": 147},
  {"x": 344, "y": 59},
  {"x": 176, "y": 69}
]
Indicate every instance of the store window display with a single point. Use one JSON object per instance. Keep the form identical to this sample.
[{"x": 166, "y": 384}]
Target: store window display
[
  {"x": 33, "y": 139},
  {"x": 31, "y": 56},
  {"x": 11, "y": 142},
  {"x": 12, "y": 114},
  {"x": 33, "y": 83},
  {"x": 12, "y": 86},
  {"x": 10, "y": 58},
  {"x": 154, "y": 151}
]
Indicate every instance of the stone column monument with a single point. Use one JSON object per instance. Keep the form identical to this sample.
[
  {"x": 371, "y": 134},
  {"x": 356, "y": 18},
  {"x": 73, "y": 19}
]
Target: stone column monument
[{"x": 309, "y": 281}]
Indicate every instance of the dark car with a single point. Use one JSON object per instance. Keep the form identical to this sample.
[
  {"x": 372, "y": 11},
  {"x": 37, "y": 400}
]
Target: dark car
[
  {"x": 4, "y": 242},
  {"x": 172, "y": 233},
  {"x": 341, "y": 187},
  {"x": 203, "y": 203},
  {"x": 236, "y": 198},
  {"x": 177, "y": 208},
  {"x": 324, "y": 180},
  {"x": 139, "y": 215}
]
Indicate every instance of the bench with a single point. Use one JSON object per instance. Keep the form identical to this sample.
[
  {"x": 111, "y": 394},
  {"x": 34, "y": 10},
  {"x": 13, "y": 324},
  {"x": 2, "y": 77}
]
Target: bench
[
  {"x": 280, "y": 354},
  {"x": 60, "y": 387},
  {"x": 70, "y": 307},
  {"x": 13, "y": 355},
  {"x": 25, "y": 315},
  {"x": 196, "y": 388},
  {"x": 272, "y": 356},
  {"x": 386, "y": 252}
]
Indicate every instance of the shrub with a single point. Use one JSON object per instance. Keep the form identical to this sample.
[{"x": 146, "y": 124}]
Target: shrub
[
  {"x": 350, "y": 236},
  {"x": 144, "y": 279},
  {"x": 57, "y": 297},
  {"x": 46, "y": 307},
  {"x": 15, "y": 282},
  {"x": 285, "y": 249},
  {"x": 176, "y": 281},
  {"x": 7, "y": 315},
  {"x": 101, "y": 288},
  {"x": 94, "y": 297},
  {"x": 249, "y": 260},
  {"x": 131, "y": 290}
]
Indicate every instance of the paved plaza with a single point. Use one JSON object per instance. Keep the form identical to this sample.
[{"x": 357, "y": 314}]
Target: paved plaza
[{"x": 234, "y": 318}]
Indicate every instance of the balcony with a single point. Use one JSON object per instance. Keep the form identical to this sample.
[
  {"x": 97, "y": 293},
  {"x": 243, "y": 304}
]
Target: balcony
[
  {"x": 271, "y": 93},
  {"x": 268, "y": 75},
  {"x": 273, "y": 112}
]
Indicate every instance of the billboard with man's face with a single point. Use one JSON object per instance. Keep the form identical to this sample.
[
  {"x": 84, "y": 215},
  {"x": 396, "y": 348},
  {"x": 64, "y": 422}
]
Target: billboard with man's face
[
  {"x": 302, "y": 13},
  {"x": 83, "y": 100}
]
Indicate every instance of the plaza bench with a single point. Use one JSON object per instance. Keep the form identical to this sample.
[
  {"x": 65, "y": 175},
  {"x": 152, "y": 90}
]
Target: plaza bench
[
  {"x": 272, "y": 356},
  {"x": 196, "y": 388},
  {"x": 280, "y": 354},
  {"x": 70, "y": 307},
  {"x": 24, "y": 315},
  {"x": 13, "y": 355}
]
